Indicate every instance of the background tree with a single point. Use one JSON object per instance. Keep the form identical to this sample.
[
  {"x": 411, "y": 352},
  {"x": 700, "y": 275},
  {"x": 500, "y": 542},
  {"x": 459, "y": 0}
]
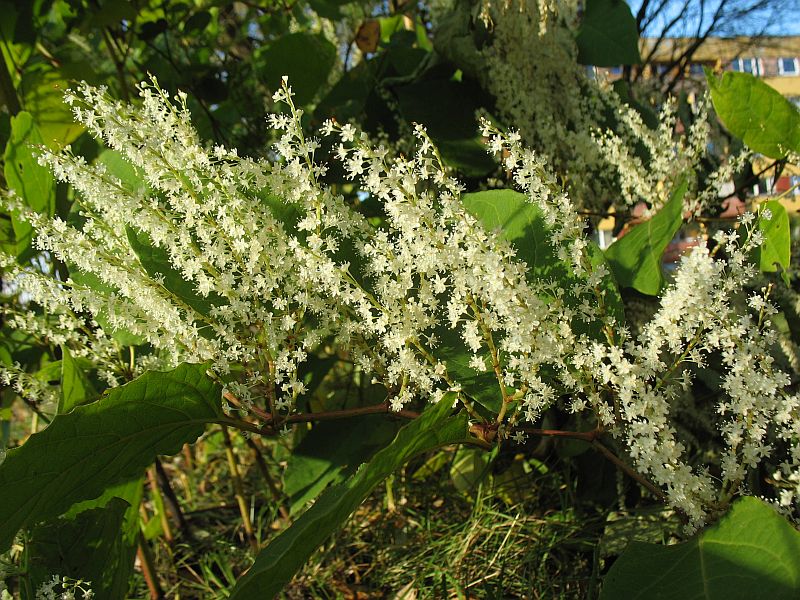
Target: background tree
[{"x": 695, "y": 22}]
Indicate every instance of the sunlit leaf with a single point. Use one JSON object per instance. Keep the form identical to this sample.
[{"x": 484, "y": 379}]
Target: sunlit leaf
[
  {"x": 42, "y": 95},
  {"x": 776, "y": 250},
  {"x": 636, "y": 257},
  {"x": 32, "y": 182},
  {"x": 76, "y": 388},
  {"x": 751, "y": 553},
  {"x": 755, "y": 112}
]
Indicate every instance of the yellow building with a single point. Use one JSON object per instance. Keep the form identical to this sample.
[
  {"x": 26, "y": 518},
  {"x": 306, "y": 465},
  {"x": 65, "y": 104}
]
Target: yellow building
[{"x": 776, "y": 59}]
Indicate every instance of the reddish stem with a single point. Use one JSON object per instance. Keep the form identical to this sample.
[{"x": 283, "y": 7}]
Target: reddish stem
[
  {"x": 593, "y": 438},
  {"x": 586, "y": 436},
  {"x": 270, "y": 423}
]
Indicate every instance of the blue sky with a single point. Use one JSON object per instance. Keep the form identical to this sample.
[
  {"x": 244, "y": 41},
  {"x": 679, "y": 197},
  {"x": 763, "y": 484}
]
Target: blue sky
[{"x": 783, "y": 21}]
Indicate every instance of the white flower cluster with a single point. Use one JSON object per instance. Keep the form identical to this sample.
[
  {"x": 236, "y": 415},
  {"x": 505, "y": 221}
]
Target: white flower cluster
[
  {"x": 645, "y": 376},
  {"x": 27, "y": 386},
  {"x": 61, "y": 327},
  {"x": 434, "y": 269},
  {"x": 650, "y": 179},
  {"x": 531, "y": 69},
  {"x": 530, "y": 66},
  {"x": 65, "y": 588},
  {"x": 261, "y": 264}
]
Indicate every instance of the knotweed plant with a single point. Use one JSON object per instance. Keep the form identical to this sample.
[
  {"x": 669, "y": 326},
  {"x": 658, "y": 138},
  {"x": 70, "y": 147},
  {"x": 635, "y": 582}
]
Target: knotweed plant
[
  {"x": 561, "y": 110},
  {"x": 203, "y": 256}
]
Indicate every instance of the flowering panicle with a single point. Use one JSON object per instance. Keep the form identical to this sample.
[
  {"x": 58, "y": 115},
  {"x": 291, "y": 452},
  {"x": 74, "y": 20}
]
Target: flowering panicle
[
  {"x": 65, "y": 588},
  {"x": 27, "y": 386},
  {"x": 695, "y": 320},
  {"x": 550, "y": 98},
  {"x": 668, "y": 157}
]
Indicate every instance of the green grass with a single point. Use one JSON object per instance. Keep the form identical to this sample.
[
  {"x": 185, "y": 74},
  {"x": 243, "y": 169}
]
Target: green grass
[
  {"x": 515, "y": 533},
  {"x": 437, "y": 542}
]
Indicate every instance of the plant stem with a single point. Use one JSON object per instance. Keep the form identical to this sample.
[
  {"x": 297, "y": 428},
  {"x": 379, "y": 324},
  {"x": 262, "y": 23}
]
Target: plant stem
[
  {"x": 270, "y": 423},
  {"x": 172, "y": 500},
  {"x": 264, "y": 470},
  {"x": 148, "y": 568},
  {"x": 586, "y": 436},
  {"x": 620, "y": 464},
  {"x": 593, "y": 438},
  {"x": 239, "y": 490},
  {"x": 118, "y": 64},
  {"x": 158, "y": 500}
]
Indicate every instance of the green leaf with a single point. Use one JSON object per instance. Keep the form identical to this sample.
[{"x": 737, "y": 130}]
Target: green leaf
[
  {"x": 635, "y": 258},
  {"x": 751, "y": 553},
  {"x": 32, "y": 182},
  {"x": 94, "y": 545},
  {"x": 776, "y": 250},
  {"x": 348, "y": 96},
  {"x": 330, "y": 453},
  {"x": 287, "y": 553},
  {"x": 468, "y": 156},
  {"x": 482, "y": 386},
  {"x": 103, "y": 443},
  {"x": 117, "y": 166},
  {"x": 197, "y": 22},
  {"x": 650, "y": 524},
  {"x": 469, "y": 468},
  {"x": 519, "y": 222},
  {"x": 390, "y": 26},
  {"x": 42, "y": 94},
  {"x": 306, "y": 59},
  {"x": 608, "y": 286},
  {"x": 755, "y": 112},
  {"x": 608, "y": 36},
  {"x": 156, "y": 262},
  {"x": 131, "y": 491},
  {"x": 17, "y": 346},
  {"x": 76, "y": 388},
  {"x": 150, "y": 30}
]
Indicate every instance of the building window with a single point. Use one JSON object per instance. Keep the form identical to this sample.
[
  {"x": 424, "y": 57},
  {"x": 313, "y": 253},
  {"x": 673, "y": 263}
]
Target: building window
[
  {"x": 747, "y": 65},
  {"x": 764, "y": 187},
  {"x": 605, "y": 237},
  {"x": 794, "y": 183},
  {"x": 788, "y": 66},
  {"x": 615, "y": 71}
]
